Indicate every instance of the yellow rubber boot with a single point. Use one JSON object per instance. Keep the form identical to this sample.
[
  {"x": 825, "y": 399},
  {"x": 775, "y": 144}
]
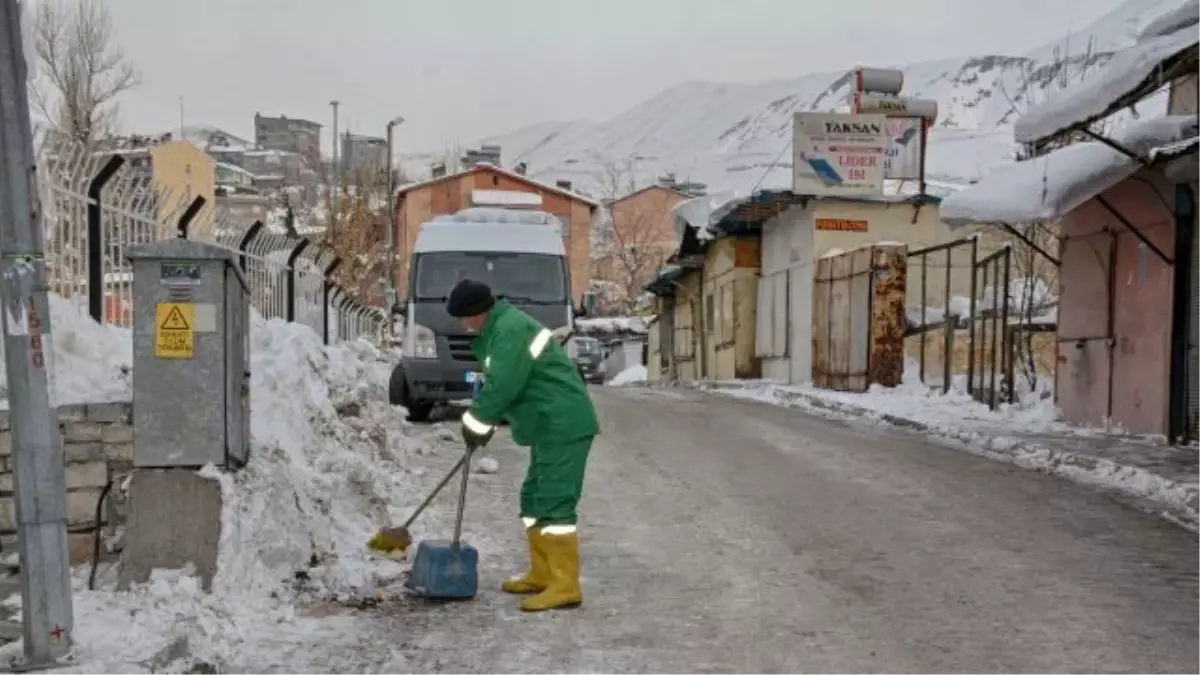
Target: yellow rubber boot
[
  {"x": 561, "y": 546},
  {"x": 535, "y": 580}
]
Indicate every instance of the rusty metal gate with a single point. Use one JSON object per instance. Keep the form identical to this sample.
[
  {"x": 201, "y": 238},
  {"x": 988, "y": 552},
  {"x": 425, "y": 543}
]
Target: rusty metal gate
[{"x": 988, "y": 370}]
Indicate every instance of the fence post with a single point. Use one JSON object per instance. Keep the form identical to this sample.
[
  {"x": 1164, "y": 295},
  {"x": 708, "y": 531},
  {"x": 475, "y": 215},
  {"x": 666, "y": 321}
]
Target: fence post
[
  {"x": 247, "y": 237},
  {"x": 345, "y": 307},
  {"x": 971, "y": 323},
  {"x": 185, "y": 221},
  {"x": 289, "y": 303},
  {"x": 1006, "y": 336},
  {"x": 327, "y": 287},
  {"x": 95, "y": 236}
]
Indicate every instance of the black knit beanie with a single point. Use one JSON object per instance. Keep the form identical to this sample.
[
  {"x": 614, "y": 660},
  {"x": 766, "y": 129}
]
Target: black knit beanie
[{"x": 469, "y": 298}]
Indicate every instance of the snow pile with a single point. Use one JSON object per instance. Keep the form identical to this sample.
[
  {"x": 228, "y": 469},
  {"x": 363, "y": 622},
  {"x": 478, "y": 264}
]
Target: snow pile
[
  {"x": 947, "y": 413},
  {"x": 1124, "y": 74},
  {"x": 608, "y": 325},
  {"x": 1046, "y": 187},
  {"x": 1187, "y": 14},
  {"x": 323, "y": 471},
  {"x": 631, "y": 375},
  {"x": 90, "y": 362}
]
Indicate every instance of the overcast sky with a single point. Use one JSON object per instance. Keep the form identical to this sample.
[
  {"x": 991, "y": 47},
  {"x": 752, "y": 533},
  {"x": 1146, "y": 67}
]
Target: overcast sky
[{"x": 464, "y": 69}]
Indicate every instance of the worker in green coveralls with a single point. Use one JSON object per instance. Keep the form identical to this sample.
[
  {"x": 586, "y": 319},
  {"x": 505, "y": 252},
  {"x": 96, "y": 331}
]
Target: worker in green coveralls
[{"x": 529, "y": 380}]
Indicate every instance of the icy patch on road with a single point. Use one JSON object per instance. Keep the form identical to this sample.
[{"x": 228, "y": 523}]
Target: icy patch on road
[
  {"x": 631, "y": 375},
  {"x": 328, "y": 466}
]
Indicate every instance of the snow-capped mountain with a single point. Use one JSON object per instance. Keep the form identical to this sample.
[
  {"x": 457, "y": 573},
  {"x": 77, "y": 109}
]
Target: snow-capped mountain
[{"x": 736, "y": 136}]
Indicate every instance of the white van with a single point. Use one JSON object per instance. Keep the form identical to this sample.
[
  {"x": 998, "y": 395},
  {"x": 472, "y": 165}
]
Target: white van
[{"x": 519, "y": 254}]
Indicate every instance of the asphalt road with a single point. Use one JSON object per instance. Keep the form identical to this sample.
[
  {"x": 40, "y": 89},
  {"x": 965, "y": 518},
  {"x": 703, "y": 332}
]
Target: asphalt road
[{"x": 721, "y": 535}]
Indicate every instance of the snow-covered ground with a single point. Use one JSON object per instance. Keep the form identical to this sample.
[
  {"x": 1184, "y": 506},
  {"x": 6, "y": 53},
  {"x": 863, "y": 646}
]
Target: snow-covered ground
[
  {"x": 631, "y": 375},
  {"x": 1028, "y": 434},
  {"x": 89, "y": 363},
  {"x": 330, "y": 462}
]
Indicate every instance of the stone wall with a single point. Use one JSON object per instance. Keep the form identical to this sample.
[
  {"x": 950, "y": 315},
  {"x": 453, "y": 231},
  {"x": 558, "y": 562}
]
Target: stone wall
[{"x": 98, "y": 445}]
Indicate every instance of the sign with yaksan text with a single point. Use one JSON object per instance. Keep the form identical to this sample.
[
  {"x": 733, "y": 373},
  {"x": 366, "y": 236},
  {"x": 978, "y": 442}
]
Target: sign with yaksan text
[{"x": 839, "y": 155}]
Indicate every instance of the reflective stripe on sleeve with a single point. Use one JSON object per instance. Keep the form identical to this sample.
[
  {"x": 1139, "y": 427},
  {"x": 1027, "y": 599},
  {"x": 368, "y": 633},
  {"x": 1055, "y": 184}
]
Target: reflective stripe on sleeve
[
  {"x": 559, "y": 530},
  {"x": 539, "y": 343},
  {"x": 475, "y": 425}
]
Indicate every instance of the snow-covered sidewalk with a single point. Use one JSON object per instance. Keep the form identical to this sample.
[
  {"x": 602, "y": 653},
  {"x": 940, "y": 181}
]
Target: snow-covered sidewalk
[
  {"x": 1158, "y": 476},
  {"x": 330, "y": 462}
]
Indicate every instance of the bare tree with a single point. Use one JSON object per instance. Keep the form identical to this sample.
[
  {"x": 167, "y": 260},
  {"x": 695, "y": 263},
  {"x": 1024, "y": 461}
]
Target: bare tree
[
  {"x": 359, "y": 236},
  {"x": 628, "y": 246},
  {"x": 1036, "y": 279},
  {"x": 81, "y": 70}
]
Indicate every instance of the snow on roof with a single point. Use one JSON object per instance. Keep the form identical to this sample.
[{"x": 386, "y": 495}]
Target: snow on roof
[
  {"x": 1182, "y": 16},
  {"x": 1099, "y": 96},
  {"x": 704, "y": 213},
  {"x": 486, "y": 166},
  {"x": 235, "y": 169},
  {"x": 1046, "y": 187},
  {"x": 505, "y": 198},
  {"x": 610, "y": 324}
]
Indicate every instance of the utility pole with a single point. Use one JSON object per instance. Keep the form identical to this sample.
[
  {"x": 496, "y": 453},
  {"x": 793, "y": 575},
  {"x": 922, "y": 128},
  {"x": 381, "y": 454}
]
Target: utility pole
[
  {"x": 39, "y": 485},
  {"x": 391, "y": 224},
  {"x": 337, "y": 168}
]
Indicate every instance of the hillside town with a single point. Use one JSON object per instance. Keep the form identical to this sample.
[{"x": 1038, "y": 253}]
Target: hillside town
[{"x": 884, "y": 370}]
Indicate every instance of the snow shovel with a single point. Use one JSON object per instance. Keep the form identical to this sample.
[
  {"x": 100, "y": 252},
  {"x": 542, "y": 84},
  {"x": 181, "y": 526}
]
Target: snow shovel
[
  {"x": 447, "y": 570},
  {"x": 393, "y": 542}
]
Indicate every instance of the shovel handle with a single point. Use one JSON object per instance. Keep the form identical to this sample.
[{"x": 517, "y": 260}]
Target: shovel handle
[
  {"x": 436, "y": 490},
  {"x": 462, "y": 499}
]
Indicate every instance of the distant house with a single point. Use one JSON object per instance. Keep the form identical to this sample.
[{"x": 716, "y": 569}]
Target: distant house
[
  {"x": 177, "y": 171},
  {"x": 490, "y": 185},
  {"x": 289, "y": 134},
  {"x": 232, "y": 176},
  {"x": 364, "y": 154},
  {"x": 636, "y": 238}
]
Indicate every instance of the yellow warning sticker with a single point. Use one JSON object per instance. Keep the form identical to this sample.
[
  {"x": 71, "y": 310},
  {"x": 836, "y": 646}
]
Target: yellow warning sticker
[{"x": 175, "y": 336}]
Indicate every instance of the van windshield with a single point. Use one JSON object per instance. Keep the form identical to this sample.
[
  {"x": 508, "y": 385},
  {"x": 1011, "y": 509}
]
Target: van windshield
[{"x": 524, "y": 278}]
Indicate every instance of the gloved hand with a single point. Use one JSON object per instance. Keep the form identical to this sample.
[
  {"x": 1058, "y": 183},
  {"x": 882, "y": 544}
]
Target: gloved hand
[{"x": 474, "y": 440}]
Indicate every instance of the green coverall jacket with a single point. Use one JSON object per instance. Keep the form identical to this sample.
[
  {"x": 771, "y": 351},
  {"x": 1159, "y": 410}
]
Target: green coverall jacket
[{"x": 529, "y": 379}]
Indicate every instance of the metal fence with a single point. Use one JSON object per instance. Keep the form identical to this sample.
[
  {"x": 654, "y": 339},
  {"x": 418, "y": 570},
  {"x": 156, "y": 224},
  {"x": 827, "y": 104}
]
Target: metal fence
[{"x": 98, "y": 205}]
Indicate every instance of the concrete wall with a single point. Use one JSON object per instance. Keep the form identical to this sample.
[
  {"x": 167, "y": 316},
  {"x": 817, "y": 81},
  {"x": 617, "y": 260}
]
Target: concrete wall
[
  {"x": 889, "y": 222},
  {"x": 1120, "y": 375},
  {"x": 97, "y": 440}
]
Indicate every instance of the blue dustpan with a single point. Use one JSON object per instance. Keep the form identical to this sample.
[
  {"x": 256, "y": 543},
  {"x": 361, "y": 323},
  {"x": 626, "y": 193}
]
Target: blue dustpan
[
  {"x": 444, "y": 570},
  {"x": 447, "y": 570}
]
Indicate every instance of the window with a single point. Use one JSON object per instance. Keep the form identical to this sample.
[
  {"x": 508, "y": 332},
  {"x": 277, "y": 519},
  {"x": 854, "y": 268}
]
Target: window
[
  {"x": 710, "y": 319},
  {"x": 523, "y": 277}
]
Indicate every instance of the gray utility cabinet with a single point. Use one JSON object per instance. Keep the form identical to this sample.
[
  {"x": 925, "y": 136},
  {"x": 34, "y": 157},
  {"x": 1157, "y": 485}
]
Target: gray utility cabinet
[{"x": 191, "y": 356}]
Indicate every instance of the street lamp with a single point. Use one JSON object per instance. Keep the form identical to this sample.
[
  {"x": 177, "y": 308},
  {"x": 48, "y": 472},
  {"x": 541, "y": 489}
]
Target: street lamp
[{"x": 391, "y": 228}]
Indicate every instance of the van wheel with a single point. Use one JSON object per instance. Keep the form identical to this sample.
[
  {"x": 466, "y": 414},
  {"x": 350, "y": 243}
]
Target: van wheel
[
  {"x": 419, "y": 411},
  {"x": 396, "y": 387}
]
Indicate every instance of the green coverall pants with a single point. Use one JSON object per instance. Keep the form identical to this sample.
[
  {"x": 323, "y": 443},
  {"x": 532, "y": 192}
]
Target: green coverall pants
[{"x": 554, "y": 481}]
